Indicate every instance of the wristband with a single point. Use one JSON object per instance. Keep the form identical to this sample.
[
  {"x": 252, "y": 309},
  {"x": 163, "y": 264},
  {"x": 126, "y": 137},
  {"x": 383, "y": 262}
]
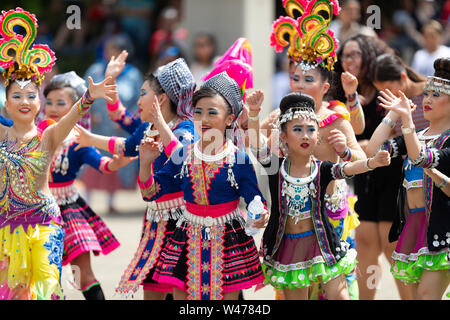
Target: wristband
[
  {"x": 145, "y": 185},
  {"x": 170, "y": 147},
  {"x": 105, "y": 166},
  {"x": 112, "y": 144},
  {"x": 255, "y": 118},
  {"x": 389, "y": 122},
  {"x": 366, "y": 164},
  {"x": 113, "y": 107},
  {"x": 352, "y": 96},
  {"x": 408, "y": 130},
  {"x": 443, "y": 183}
]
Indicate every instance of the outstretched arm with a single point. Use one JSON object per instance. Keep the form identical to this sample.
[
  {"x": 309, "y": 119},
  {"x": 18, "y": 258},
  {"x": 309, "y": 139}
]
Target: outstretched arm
[{"x": 381, "y": 159}]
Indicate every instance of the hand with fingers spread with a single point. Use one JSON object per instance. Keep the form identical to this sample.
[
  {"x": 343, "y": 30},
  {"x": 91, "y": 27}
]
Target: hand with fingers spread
[
  {"x": 102, "y": 90},
  {"x": 402, "y": 106},
  {"x": 349, "y": 83},
  {"x": 254, "y": 102},
  {"x": 116, "y": 66},
  {"x": 148, "y": 151},
  {"x": 338, "y": 141},
  {"x": 82, "y": 137}
]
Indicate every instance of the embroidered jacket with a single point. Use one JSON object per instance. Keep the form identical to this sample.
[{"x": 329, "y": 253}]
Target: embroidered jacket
[
  {"x": 437, "y": 204},
  {"x": 205, "y": 183},
  {"x": 332, "y": 248}
]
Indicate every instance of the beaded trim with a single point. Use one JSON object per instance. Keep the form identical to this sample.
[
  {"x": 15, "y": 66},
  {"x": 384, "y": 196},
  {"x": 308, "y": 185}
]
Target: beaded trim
[
  {"x": 297, "y": 113},
  {"x": 437, "y": 84}
]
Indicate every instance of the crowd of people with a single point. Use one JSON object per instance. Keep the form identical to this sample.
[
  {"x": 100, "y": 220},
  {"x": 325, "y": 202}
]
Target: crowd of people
[{"x": 356, "y": 155}]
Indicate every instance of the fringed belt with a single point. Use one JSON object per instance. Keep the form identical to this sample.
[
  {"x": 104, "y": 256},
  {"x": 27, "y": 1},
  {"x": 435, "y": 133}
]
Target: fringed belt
[
  {"x": 64, "y": 192},
  {"x": 205, "y": 217},
  {"x": 166, "y": 207}
]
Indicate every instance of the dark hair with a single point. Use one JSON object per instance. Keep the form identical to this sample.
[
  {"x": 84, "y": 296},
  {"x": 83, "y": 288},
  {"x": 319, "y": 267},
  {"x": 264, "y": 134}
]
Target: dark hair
[
  {"x": 8, "y": 87},
  {"x": 208, "y": 92},
  {"x": 442, "y": 68},
  {"x": 57, "y": 85},
  {"x": 296, "y": 100},
  {"x": 389, "y": 67},
  {"x": 156, "y": 86}
]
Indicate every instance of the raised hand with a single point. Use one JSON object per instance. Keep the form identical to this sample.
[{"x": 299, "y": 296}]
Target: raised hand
[
  {"x": 400, "y": 105},
  {"x": 338, "y": 141},
  {"x": 254, "y": 101},
  {"x": 103, "y": 90},
  {"x": 82, "y": 137},
  {"x": 155, "y": 112},
  {"x": 349, "y": 83},
  {"x": 149, "y": 150},
  {"x": 119, "y": 161},
  {"x": 116, "y": 65},
  {"x": 381, "y": 159}
]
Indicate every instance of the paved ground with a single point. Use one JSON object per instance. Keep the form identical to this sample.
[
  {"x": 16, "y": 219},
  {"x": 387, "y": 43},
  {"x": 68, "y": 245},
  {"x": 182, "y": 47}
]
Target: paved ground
[{"x": 127, "y": 227}]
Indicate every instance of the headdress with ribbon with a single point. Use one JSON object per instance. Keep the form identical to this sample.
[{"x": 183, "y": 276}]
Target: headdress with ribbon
[
  {"x": 305, "y": 31},
  {"x": 29, "y": 62}
]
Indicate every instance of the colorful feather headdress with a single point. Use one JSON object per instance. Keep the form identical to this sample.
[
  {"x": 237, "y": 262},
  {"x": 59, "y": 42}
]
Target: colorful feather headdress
[
  {"x": 29, "y": 63},
  {"x": 305, "y": 31}
]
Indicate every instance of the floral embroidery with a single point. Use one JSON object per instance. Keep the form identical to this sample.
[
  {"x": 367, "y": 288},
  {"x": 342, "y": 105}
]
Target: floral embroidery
[{"x": 56, "y": 246}]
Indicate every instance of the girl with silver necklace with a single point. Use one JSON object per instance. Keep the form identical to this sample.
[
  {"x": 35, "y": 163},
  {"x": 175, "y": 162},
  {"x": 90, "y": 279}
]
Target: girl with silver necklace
[{"x": 300, "y": 245}]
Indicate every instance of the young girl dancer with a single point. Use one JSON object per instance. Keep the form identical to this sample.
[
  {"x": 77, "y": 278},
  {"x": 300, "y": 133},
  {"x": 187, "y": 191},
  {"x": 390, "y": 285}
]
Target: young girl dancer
[
  {"x": 300, "y": 245},
  {"x": 421, "y": 256},
  {"x": 165, "y": 110},
  {"x": 208, "y": 256},
  {"x": 31, "y": 235},
  {"x": 84, "y": 230},
  {"x": 310, "y": 72}
]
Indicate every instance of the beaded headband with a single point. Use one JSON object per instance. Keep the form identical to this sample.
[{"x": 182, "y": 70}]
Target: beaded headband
[
  {"x": 437, "y": 84},
  {"x": 29, "y": 63},
  {"x": 298, "y": 113},
  {"x": 310, "y": 42}
]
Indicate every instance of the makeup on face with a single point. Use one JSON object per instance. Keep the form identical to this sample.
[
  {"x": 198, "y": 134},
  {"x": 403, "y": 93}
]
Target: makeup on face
[
  {"x": 212, "y": 113},
  {"x": 301, "y": 134},
  {"x": 23, "y": 101},
  {"x": 58, "y": 103}
]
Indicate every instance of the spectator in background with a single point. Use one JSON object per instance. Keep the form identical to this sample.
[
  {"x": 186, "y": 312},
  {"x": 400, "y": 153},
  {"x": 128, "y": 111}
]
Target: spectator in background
[
  {"x": 136, "y": 18},
  {"x": 280, "y": 79},
  {"x": 348, "y": 22},
  {"x": 128, "y": 85},
  {"x": 167, "y": 36},
  {"x": 408, "y": 38},
  {"x": 204, "y": 54},
  {"x": 433, "y": 48}
]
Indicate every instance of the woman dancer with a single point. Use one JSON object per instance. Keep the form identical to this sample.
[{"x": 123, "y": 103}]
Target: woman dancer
[
  {"x": 208, "y": 256},
  {"x": 376, "y": 191},
  {"x": 84, "y": 230},
  {"x": 31, "y": 235},
  {"x": 300, "y": 245},
  {"x": 165, "y": 111},
  {"x": 421, "y": 256}
]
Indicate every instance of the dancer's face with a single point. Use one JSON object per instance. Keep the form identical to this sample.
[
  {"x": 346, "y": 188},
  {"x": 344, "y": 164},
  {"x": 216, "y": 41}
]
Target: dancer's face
[
  {"x": 352, "y": 58},
  {"x": 309, "y": 82},
  {"x": 212, "y": 117},
  {"x": 436, "y": 106},
  {"x": 58, "y": 103},
  {"x": 23, "y": 104},
  {"x": 146, "y": 100},
  {"x": 300, "y": 136}
]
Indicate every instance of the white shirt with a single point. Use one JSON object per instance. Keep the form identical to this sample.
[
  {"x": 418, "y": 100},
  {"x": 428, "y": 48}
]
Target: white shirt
[{"x": 423, "y": 60}]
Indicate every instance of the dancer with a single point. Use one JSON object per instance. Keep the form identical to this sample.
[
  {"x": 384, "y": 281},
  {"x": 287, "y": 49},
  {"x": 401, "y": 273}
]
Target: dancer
[
  {"x": 84, "y": 230},
  {"x": 421, "y": 256},
  {"x": 376, "y": 191},
  {"x": 300, "y": 245},
  {"x": 208, "y": 256},
  {"x": 30, "y": 219},
  {"x": 165, "y": 110},
  {"x": 311, "y": 73}
]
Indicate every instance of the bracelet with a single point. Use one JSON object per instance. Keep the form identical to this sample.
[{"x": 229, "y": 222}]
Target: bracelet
[
  {"x": 389, "y": 122},
  {"x": 352, "y": 96},
  {"x": 112, "y": 144},
  {"x": 366, "y": 164},
  {"x": 408, "y": 130},
  {"x": 105, "y": 167},
  {"x": 443, "y": 183},
  {"x": 113, "y": 107},
  {"x": 255, "y": 118},
  {"x": 346, "y": 155}
]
